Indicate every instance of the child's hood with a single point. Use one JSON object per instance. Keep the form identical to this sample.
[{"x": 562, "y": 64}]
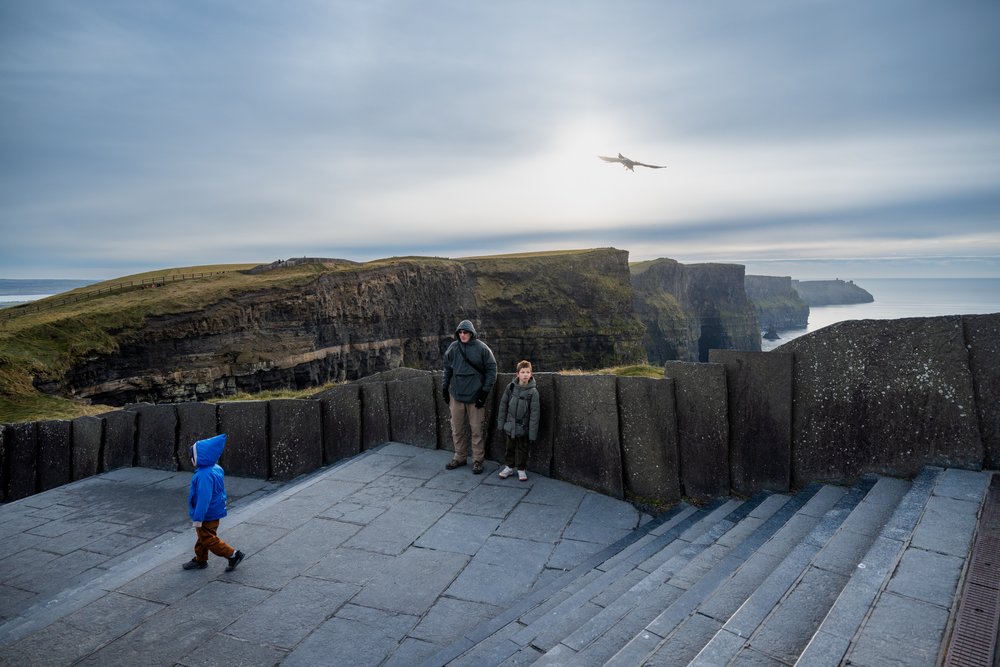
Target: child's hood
[
  {"x": 206, "y": 452},
  {"x": 516, "y": 383}
]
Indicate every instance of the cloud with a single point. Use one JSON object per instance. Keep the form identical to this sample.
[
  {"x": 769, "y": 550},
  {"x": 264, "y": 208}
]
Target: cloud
[{"x": 178, "y": 133}]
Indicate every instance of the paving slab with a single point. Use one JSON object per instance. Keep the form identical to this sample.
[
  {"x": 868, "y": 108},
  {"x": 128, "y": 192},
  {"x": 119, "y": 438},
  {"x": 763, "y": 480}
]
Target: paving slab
[
  {"x": 63, "y": 538},
  {"x": 385, "y": 558}
]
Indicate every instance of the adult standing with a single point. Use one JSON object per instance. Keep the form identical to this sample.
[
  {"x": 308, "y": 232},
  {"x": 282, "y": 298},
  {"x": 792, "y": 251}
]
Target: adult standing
[{"x": 469, "y": 373}]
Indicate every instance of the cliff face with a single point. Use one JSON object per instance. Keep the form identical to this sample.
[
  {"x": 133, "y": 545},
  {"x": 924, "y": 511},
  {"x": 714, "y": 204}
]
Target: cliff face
[
  {"x": 831, "y": 292},
  {"x": 777, "y": 303},
  {"x": 690, "y": 309},
  {"x": 568, "y": 310}
]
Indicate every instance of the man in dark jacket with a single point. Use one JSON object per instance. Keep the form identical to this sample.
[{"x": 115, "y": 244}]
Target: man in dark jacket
[{"x": 469, "y": 373}]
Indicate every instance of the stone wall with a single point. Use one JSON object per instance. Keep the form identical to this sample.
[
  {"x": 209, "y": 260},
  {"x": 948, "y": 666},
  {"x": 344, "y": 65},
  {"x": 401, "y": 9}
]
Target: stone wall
[{"x": 854, "y": 398}]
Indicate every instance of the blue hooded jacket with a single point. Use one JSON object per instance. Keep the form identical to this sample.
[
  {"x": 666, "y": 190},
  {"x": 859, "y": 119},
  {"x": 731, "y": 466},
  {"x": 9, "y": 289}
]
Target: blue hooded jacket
[{"x": 207, "y": 498}]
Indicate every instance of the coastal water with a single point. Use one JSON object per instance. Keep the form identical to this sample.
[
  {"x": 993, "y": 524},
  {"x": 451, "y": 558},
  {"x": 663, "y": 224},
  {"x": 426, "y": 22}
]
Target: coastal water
[
  {"x": 905, "y": 297},
  {"x": 21, "y": 291}
]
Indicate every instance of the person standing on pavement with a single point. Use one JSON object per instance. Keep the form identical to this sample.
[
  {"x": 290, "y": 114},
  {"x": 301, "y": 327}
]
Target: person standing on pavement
[
  {"x": 469, "y": 373},
  {"x": 207, "y": 504},
  {"x": 517, "y": 417}
]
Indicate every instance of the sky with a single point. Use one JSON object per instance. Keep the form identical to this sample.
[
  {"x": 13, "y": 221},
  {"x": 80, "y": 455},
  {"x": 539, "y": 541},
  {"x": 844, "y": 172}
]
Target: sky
[{"x": 810, "y": 138}]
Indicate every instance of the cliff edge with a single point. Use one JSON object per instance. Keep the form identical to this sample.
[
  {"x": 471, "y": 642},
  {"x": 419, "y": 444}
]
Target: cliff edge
[{"x": 831, "y": 292}]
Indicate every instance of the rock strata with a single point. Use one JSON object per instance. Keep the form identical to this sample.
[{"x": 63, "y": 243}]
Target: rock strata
[
  {"x": 689, "y": 309},
  {"x": 779, "y": 307}
]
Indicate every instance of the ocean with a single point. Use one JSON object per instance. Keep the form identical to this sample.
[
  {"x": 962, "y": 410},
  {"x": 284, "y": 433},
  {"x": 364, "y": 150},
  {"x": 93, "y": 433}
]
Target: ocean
[
  {"x": 905, "y": 297},
  {"x": 20, "y": 291}
]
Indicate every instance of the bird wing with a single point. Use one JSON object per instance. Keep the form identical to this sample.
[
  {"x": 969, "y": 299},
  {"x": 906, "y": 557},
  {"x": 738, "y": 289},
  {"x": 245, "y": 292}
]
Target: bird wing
[
  {"x": 651, "y": 166},
  {"x": 609, "y": 159}
]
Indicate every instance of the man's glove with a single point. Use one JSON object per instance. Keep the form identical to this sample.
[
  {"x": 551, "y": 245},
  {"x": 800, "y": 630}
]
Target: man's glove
[
  {"x": 481, "y": 398},
  {"x": 196, "y": 524},
  {"x": 445, "y": 395}
]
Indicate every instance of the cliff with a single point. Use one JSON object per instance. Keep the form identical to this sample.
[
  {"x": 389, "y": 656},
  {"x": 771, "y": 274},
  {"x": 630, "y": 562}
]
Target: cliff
[
  {"x": 831, "y": 292},
  {"x": 308, "y": 325},
  {"x": 777, "y": 303},
  {"x": 688, "y": 309}
]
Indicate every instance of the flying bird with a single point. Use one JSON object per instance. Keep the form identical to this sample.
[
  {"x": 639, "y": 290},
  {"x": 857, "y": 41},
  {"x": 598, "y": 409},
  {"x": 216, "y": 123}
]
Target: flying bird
[{"x": 627, "y": 163}]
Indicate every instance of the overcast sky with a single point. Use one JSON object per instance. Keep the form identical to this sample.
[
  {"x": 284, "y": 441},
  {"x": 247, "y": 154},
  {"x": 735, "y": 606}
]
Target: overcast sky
[{"x": 144, "y": 135}]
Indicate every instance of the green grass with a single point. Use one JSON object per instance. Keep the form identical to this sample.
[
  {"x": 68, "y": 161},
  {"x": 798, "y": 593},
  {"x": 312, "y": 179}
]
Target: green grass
[{"x": 42, "y": 345}]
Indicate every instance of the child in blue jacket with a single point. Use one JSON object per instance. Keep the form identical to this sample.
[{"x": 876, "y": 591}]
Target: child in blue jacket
[{"x": 207, "y": 504}]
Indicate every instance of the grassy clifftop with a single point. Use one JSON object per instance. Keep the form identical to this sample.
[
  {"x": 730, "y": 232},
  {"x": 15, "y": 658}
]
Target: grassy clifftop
[{"x": 42, "y": 341}]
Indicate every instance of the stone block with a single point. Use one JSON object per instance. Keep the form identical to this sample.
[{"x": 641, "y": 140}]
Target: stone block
[
  {"x": 296, "y": 437},
  {"x": 195, "y": 421},
  {"x": 883, "y": 396},
  {"x": 119, "y": 440},
  {"x": 650, "y": 459},
  {"x": 443, "y": 416},
  {"x": 155, "y": 436},
  {"x": 982, "y": 338},
  {"x": 86, "y": 434},
  {"x": 245, "y": 426},
  {"x": 341, "y": 414},
  {"x": 759, "y": 392},
  {"x": 702, "y": 427},
  {"x": 496, "y": 440},
  {"x": 412, "y": 411},
  {"x": 54, "y": 453},
  {"x": 21, "y": 446},
  {"x": 587, "y": 448},
  {"x": 374, "y": 415}
]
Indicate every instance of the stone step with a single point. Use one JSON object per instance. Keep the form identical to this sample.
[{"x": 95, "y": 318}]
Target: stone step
[
  {"x": 821, "y": 577},
  {"x": 724, "y": 589},
  {"x": 511, "y": 634},
  {"x": 683, "y": 545},
  {"x": 721, "y": 589},
  {"x": 641, "y": 601},
  {"x": 896, "y": 606},
  {"x": 778, "y": 619},
  {"x": 488, "y": 641}
]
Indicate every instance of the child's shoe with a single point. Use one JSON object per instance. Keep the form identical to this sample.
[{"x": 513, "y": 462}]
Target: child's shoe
[
  {"x": 194, "y": 565},
  {"x": 506, "y": 472},
  {"x": 236, "y": 559},
  {"x": 522, "y": 475}
]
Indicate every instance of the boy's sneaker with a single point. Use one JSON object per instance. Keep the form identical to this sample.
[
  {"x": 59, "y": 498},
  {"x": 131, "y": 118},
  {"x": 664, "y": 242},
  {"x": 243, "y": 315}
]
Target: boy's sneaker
[
  {"x": 522, "y": 475},
  {"x": 506, "y": 472},
  {"x": 235, "y": 560},
  {"x": 194, "y": 565}
]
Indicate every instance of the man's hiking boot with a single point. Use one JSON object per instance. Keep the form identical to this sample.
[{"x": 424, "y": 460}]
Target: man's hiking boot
[
  {"x": 194, "y": 565},
  {"x": 454, "y": 464},
  {"x": 234, "y": 561},
  {"x": 477, "y": 467}
]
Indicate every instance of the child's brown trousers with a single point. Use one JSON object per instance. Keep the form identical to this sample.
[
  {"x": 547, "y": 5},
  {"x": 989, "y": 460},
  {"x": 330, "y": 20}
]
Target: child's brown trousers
[{"x": 209, "y": 541}]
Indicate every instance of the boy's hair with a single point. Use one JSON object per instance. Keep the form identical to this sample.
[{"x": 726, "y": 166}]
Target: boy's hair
[{"x": 524, "y": 363}]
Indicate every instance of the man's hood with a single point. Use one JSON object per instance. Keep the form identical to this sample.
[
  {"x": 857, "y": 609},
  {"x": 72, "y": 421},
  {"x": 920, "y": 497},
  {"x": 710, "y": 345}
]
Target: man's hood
[
  {"x": 465, "y": 325},
  {"x": 206, "y": 452}
]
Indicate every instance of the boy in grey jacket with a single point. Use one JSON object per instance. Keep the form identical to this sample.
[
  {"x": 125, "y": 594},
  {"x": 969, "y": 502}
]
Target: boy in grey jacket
[
  {"x": 517, "y": 417},
  {"x": 469, "y": 373}
]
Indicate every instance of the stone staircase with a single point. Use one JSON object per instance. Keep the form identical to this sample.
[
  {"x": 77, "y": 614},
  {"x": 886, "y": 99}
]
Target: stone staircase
[{"x": 866, "y": 575}]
